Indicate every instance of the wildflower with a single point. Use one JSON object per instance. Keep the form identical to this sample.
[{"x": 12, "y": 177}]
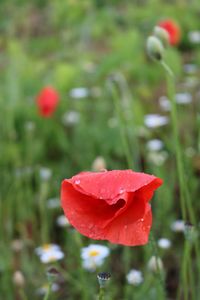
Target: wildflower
[
  {"x": 80, "y": 92},
  {"x": 53, "y": 203},
  {"x": 178, "y": 226},
  {"x": 155, "y": 48},
  {"x": 183, "y": 98},
  {"x": 194, "y": 37},
  {"x": 93, "y": 256},
  {"x": 49, "y": 253},
  {"x": 157, "y": 158},
  {"x": 99, "y": 164},
  {"x": 173, "y": 30},
  {"x": 164, "y": 103},
  {"x": 45, "y": 173},
  {"x": 43, "y": 289},
  {"x": 134, "y": 277},
  {"x": 154, "y": 145},
  {"x": 155, "y": 264},
  {"x": 164, "y": 243},
  {"x": 62, "y": 221},
  {"x": 155, "y": 120},
  {"x": 117, "y": 205},
  {"x": 71, "y": 118},
  {"x": 47, "y": 101}
]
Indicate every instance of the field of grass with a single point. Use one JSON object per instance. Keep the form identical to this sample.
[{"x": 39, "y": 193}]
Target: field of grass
[{"x": 118, "y": 109}]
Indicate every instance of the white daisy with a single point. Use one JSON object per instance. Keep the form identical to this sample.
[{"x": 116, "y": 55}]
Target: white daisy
[
  {"x": 71, "y": 118},
  {"x": 155, "y": 120},
  {"x": 164, "y": 243},
  {"x": 80, "y": 92},
  {"x": 45, "y": 173},
  {"x": 178, "y": 226},
  {"x": 134, "y": 277},
  {"x": 194, "y": 36},
  {"x": 183, "y": 98},
  {"x": 94, "y": 255},
  {"x": 62, "y": 221},
  {"x": 155, "y": 145},
  {"x": 49, "y": 253}
]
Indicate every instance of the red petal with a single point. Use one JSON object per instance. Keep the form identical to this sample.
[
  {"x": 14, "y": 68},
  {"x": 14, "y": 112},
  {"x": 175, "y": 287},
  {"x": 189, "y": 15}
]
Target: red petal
[
  {"x": 124, "y": 219},
  {"x": 110, "y": 184}
]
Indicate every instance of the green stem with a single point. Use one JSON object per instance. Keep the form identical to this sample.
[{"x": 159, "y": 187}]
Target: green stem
[
  {"x": 159, "y": 273},
  {"x": 101, "y": 293},
  {"x": 171, "y": 95},
  {"x": 46, "y": 297}
]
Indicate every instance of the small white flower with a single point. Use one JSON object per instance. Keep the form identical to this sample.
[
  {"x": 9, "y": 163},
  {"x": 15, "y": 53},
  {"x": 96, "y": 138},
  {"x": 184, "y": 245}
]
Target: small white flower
[
  {"x": 29, "y": 126},
  {"x": 134, "y": 277},
  {"x": 190, "y": 68},
  {"x": 43, "y": 289},
  {"x": 155, "y": 264},
  {"x": 51, "y": 256},
  {"x": 194, "y": 36},
  {"x": 53, "y": 203},
  {"x": 62, "y": 221},
  {"x": 164, "y": 103},
  {"x": 71, "y": 118},
  {"x": 183, "y": 98},
  {"x": 94, "y": 255},
  {"x": 99, "y": 164},
  {"x": 45, "y": 173},
  {"x": 164, "y": 243},
  {"x": 49, "y": 253},
  {"x": 178, "y": 226},
  {"x": 157, "y": 158},
  {"x": 155, "y": 145},
  {"x": 155, "y": 120},
  {"x": 80, "y": 92}
]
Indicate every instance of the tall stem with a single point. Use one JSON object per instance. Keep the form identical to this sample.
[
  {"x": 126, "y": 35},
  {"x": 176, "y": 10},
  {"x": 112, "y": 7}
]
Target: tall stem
[{"x": 101, "y": 293}]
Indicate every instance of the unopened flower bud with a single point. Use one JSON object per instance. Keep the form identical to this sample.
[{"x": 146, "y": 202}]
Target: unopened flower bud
[
  {"x": 99, "y": 164},
  {"x": 18, "y": 279},
  {"x": 155, "y": 48},
  {"x": 103, "y": 278},
  {"x": 155, "y": 264},
  {"x": 162, "y": 35}
]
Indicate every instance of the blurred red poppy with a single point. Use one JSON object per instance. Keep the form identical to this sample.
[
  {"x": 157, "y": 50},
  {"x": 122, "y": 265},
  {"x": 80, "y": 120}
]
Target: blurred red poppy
[
  {"x": 173, "y": 30},
  {"x": 47, "y": 101},
  {"x": 110, "y": 205}
]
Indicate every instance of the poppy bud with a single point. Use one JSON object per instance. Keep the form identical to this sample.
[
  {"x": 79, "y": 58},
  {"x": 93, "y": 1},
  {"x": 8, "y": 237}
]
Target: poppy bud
[
  {"x": 18, "y": 279},
  {"x": 162, "y": 35},
  {"x": 155, "y": 48},
  {"x": 103, "y": 277}
]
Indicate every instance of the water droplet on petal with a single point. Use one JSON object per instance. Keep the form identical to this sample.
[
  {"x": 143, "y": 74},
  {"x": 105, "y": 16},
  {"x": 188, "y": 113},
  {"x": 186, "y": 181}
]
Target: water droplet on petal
[
  {"x": 121, "y": 191},
  {"x": 77, "y": 181}
]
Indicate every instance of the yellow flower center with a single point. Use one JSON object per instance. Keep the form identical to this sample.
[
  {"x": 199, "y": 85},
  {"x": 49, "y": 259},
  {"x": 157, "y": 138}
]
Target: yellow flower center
[{"x": 94, "y": 253}]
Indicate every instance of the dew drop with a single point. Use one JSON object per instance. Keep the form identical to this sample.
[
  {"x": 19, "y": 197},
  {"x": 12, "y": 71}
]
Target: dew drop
[
  {"x": 77, "y": 181},
  {"x": 121, "y": 191}
]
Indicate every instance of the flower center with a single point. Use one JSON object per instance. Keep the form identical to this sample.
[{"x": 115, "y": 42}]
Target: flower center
[{"x": 94, "y": 253}]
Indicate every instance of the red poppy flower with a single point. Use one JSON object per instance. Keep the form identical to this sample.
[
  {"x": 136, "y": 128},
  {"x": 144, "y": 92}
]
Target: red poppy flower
[
  {"x": 47, "y": 101},
  {"x": 173, "y": 30},
  {"x": 110, "y": 205}
]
